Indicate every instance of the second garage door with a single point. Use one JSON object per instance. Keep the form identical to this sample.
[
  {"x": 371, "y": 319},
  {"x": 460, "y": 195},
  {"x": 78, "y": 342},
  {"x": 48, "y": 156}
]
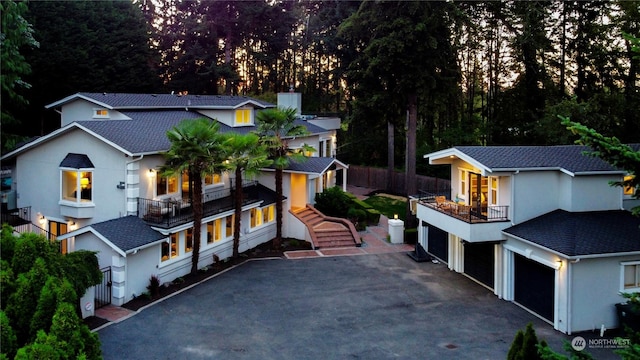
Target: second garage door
[{"x": 534, "y": 286}]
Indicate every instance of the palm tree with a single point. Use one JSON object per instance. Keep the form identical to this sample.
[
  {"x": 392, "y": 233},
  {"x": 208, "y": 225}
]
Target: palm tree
[
  {"x": 245, "y": 154},
  {"x": 275, "y": 126},
  {"x": 196, "y": 147}
]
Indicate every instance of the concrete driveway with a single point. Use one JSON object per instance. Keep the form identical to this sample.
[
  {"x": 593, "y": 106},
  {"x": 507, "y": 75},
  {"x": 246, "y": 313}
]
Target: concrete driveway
[{"x": 363, "y": 307}]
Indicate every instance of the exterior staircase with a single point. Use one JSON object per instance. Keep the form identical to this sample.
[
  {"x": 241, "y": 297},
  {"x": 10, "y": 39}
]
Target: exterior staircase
[{"x": 326, "y": 231}]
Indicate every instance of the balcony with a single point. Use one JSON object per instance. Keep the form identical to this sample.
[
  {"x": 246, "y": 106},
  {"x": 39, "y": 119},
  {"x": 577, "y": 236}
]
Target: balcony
[
  {"x": 470, "y": 214},
  {"x": 471, "y": 223},
  {"x": 174, "y": 212}
]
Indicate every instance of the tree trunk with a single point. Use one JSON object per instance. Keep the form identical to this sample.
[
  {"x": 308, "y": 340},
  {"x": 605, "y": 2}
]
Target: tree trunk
[
  {"x": 390, "y": 156},
  {"x": 278, "y": 239},
  {"x": 410, "y": 169},
  {"x": 238, "y": 212},
  {"x": 197, "y": 221}
]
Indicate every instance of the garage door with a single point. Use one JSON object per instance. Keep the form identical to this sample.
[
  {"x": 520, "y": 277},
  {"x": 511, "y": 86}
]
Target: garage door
[
  {"x": 438, "y": 243},
  {"x": 534, "y": 286},
  {"x": 479, "y": 262}
]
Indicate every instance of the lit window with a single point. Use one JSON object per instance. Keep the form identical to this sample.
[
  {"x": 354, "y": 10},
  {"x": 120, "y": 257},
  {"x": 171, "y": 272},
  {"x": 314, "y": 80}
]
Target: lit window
[
  {"x": 170, "y": 249},
  {"x": 188, "y": 240},
  {"x": 212, "y": 179},
  {"x": 462, "y": 192},
  {"x": 631, "y": 276},
  {"x": 185, "y": 183},
  {"x": 256, "y": 217},
  {"x": 56, "y": 229},
  {"x": 77, "y": 185},
  {"x": 214, "y": 231},
  {"x": 243, "y": 117},
  {"x": 166, "y": 185},
  {"x": 629, "y": 190},
  {"x": 268, "y": 214},
  {"x": 101, "y": 113},
  {"x": 229, "y": 226},
  {"x": 494, "y": 190}
]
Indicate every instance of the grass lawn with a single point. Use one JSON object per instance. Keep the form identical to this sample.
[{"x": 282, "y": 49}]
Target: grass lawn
[{"x": 388, "y": 206}]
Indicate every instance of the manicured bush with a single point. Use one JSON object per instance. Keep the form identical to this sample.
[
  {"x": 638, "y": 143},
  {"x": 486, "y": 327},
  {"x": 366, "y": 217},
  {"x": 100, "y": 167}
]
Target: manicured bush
[{"x": 333, "y": 202}]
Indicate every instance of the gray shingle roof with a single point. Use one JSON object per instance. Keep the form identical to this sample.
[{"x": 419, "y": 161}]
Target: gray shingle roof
[
  {"x": 126, "y": 100},
  {"x": 582, "y": 233},
  {"x": 127, "y": 233},
  {"x": 147, "y": 131},
  {"x": 568, "y": 157},
  {"x": 76, "y": 161},
  {"x": 314, "y": 165}
]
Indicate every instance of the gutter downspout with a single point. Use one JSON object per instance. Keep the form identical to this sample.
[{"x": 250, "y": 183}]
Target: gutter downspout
[
  {"x": 569, "y": 291},
  {"x": 126, "y": 183}
]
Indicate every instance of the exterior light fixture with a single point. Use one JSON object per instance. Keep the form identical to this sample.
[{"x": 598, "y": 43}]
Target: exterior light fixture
[
  {"x": 42, "y": 220},
  {"x": 395, "y": 216},
  {"x": 152, "y": 173}
]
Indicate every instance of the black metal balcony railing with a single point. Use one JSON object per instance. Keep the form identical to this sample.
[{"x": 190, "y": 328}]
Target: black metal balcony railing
[
  {"x": 172, "y": 212},
  {"x": 476, "y": 213}
]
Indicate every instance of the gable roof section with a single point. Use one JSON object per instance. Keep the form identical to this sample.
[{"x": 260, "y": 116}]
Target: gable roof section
[
  {"x": 576, "y": 234},
  {"x": 567, "y": 158},
  {"x": 313, "y": 165},
  {"x": 162, "y": 101},
  {"x": 123, "y": 234}
]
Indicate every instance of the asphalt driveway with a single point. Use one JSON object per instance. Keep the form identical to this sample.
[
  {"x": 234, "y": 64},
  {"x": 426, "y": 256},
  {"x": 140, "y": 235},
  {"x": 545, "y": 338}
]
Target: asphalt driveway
[{"x": 362, "y": 307}]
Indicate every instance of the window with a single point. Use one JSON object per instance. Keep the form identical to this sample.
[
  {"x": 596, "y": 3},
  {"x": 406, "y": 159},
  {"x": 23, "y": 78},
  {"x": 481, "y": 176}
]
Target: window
[
  {"x": 100, "y": 113},
  {"x": 462, "y": 191},
  {"x": 185, "y": 183},
  {"x": 188, "y": 240},
  {"x": 229, "y": 225},
  {"x": 268, "y": 214},
  {"x": 56, "y": 229},
  {"x": 256, "y": 217},
  {"x": 630, "y": 276},
  {"x": 166, "y": 185},
  {"x": 77, "y": 185},
  {"x": 243, "y": 117},
  {"x": 212, "y": 179},
  {"x": 629, "y": 190},
  {"x": 493, "y": 181},
  {"x": 170, "y": 249},
  {"x": 214, "y": 231}
]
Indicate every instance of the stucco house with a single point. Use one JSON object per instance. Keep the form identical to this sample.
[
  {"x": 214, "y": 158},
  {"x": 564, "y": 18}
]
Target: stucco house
[
  {"x": 93, "y": 184},
  {"x": 539, "y": 226}
]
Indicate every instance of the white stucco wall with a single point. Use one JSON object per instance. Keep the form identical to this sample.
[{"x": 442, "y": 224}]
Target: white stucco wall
[
  {"x": 534, "y": 193},
  {"x": 593, "y": 193},
  {"x": 38, "y": 177},
  {"x": 596, "y": 285},
  {"x": 140, "y": 267},
  {"x": 226, "y": 117}
]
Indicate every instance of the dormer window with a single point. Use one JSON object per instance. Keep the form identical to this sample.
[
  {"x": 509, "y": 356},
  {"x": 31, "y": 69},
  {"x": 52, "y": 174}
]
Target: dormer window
[
  {"x": 100, "y": 113},
  {"x": 243, "y": 117}
]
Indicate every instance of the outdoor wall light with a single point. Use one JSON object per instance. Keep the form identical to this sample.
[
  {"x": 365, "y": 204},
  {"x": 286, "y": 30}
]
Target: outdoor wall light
[
  {"x": 120, "y": 185},
  {"x": 559, "y": 264},
  {"x": 152, "y": 173},
  {"x": 42, "y": 220}
]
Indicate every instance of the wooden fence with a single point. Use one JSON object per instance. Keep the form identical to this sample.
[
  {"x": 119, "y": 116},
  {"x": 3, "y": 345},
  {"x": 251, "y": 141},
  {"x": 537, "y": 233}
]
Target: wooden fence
[{"x": 376, "y": 178}]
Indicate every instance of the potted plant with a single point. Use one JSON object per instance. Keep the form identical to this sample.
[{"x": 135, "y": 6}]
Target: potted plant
[{"x": 629, "y": 311}]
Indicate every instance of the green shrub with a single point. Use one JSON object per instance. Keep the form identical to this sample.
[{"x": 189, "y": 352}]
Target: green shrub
[
  {"x": 154, "y": 286},
  {"x": 411, "y": 236},
  {"x": 333, "y": 202}
]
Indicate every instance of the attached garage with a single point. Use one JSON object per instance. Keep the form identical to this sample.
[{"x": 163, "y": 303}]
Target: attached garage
[
  {"x": 437, "y": 242},
  {"x": 479, "y": 262},
  {"x": 534, "y": 286}
]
